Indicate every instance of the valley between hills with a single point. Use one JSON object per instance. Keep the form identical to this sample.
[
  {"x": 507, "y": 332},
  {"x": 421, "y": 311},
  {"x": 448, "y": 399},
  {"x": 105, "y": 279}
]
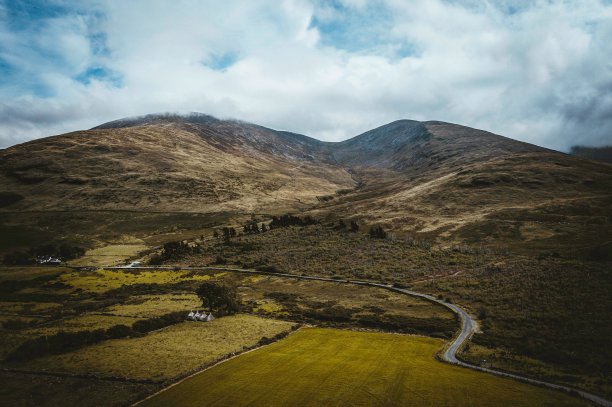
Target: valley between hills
[{"x": 516, "y": 235}]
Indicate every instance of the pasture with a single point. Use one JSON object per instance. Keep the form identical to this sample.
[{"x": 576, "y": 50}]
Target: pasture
[
  {"x": 167, "y": 353},
  {"x": 317, "y": 366}
]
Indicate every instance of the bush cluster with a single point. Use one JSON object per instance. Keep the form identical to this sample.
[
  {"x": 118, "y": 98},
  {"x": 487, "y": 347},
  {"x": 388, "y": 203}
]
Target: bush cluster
[
  {"x": 377, "y": 232},
  {"x": 62, "y": 342},
  {"x": 253, "y": 228},
  {"x": 291, "y": 220},
  {"x": 173, "y": 251}
]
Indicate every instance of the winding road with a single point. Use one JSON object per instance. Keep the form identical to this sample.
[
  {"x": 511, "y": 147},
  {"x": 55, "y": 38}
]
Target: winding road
[{"x": 450, "y": 353}]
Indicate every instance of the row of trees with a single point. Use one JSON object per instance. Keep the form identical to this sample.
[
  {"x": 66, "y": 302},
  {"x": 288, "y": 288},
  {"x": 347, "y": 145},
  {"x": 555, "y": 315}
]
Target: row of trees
[
  {"x": 226, "y": 232},
  {"x": 62, "y": 342},
  {"x": 173, "y": 251},
  {"x": 291, "y": 220},
  {"x": 253, "y": 227},
  {"x": 376, "y": 232}
]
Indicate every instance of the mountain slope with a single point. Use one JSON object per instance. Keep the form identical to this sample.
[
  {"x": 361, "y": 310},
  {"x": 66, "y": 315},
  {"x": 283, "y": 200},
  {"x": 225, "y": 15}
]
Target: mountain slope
[
  {"x": 452, "y": 183},
  {"x": 170, "y": 163},
  {"x": 433, "y": 180},
  {"x": 603, "y": 154}
]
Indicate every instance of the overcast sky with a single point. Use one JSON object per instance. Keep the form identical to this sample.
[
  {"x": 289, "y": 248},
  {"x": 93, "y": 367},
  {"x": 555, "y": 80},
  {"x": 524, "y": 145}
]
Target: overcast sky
[{"x": 538, "y": 71}]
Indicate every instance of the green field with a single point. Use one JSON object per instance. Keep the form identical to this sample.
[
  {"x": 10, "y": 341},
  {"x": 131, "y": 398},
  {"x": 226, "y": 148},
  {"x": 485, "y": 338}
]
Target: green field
[{"x": 329, "y": 367}]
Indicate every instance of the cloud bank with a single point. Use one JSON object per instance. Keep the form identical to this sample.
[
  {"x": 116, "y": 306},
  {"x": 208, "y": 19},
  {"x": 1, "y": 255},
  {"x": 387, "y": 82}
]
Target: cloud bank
[{"x": 537, "y": 71}]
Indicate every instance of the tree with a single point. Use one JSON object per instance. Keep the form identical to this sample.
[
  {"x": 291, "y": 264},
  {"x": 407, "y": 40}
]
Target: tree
[
  {"x": 377, "y": 232},
  {"x": 218, "y": 298},
  {"x": 228, "y": 233}
]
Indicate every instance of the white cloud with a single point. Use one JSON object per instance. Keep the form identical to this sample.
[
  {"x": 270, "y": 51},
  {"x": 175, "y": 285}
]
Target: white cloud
[{"x": 539, "y": 74}]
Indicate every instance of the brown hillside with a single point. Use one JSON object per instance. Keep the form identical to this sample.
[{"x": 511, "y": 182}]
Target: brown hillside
[
  {"x": 437, "y": 181},
  {"x": 169, "y": 165},
  {"x": 460, "y": 185}
]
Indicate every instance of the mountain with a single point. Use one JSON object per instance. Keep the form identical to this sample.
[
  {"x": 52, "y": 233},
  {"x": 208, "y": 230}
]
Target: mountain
[
  {"x": 433, "y": 180},
  {"x": 194, "y": 163},
  {"x": 451, "y": 183},
  {"x": 603, "y": 154}
]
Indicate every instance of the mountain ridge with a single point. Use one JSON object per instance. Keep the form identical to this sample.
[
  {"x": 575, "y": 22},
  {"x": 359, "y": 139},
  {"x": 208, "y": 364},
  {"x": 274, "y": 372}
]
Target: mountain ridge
[{"x": 432, "y": 179}]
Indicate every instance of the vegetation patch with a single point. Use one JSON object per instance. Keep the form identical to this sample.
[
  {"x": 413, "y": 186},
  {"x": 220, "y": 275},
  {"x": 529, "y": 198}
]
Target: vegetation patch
[
  {"x": 64, "y": 341},
  {"x": 317, "y": 367},
  {"x": 167, "y": 353},
  {"x": 153, "y": 305},
  {"x": 34, "y": 390},
  {"x": 109, "y": 255},
  {"x": 104, "y": 280}
]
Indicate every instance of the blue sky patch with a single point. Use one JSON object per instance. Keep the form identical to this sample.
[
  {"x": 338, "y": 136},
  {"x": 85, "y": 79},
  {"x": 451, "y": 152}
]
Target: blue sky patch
[
  {"x": 25, "y": 14},
  {"x": 221, "y": 62},
  {"x": 360, "y": 30},
  {"x": 101, "y": 74}
]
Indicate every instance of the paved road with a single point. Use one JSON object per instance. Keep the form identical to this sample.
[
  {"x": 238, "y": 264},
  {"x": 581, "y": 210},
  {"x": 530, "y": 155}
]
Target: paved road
[{"x": 450, "y": 353}]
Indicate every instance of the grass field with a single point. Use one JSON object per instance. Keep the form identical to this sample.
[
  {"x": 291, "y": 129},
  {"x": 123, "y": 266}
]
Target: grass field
[
  {"x": 154, "y": 305},
  {"x": 104, "y": 280},
  {"x": 81, "y": 323},
  {"x": 325, "y": 367},
  {"x": 166, "y": 353},
  {"x": 110, "y": 255},
  {"x": 19, "y": 273}
]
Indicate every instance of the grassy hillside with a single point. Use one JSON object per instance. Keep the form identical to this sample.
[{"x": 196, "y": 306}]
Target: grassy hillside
[
  {"x": 437, "y": 181},
  {"x": 316, "y": 367},
  {"x": 452, "y": 184},
  {"x": 173, "y": 166}
]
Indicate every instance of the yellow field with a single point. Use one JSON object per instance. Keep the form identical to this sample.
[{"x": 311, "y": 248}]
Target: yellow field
[
  {"x": 166, "y": 353},
  {"x": 86, "y": 322},
  {"x": 104, "y": 280},
  {"x": 28, "y": 307},
  {"x": 327, "y": 367},
  {"x": 155, "y": 305},
  {"x": 111, "y": 255},
  {"x": 27, "y": 272}
]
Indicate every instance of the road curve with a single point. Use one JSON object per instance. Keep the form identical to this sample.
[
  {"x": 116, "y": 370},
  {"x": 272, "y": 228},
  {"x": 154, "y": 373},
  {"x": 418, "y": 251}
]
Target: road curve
[{"x": 450, "y": 353}]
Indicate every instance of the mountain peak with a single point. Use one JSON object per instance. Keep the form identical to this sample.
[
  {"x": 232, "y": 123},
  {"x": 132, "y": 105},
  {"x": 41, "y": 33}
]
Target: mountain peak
[{"x": 158, "y": 118}]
